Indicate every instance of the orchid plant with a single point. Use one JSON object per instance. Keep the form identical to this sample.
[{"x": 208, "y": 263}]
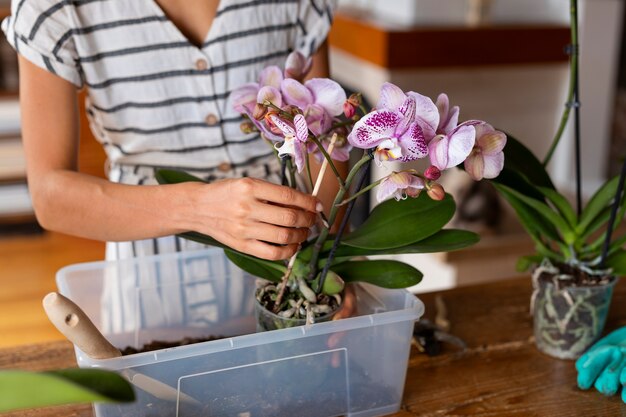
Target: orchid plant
[{"x": 315, "y": 119}]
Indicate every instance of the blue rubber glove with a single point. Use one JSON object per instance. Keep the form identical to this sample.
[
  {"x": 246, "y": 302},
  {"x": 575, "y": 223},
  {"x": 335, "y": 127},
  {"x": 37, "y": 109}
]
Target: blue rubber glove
[{"x": 604, "y": 365}]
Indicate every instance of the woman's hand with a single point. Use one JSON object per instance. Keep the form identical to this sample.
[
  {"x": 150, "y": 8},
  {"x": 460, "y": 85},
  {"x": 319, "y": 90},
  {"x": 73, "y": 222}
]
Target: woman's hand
[{"x": 254, "y": 216}]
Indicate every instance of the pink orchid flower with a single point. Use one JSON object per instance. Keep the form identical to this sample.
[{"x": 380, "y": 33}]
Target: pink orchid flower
[
  {"x": 295, "y": 136},
  {"x": 449, "y": 150},
  {"x": 297, "y": 66},
  {"x": 399, "y": 185},
  {"x": 245, "y": 97},
  {"x": 486, "y": 159},
  {"x": 448, "y": 117},
  {"x": 319, "y": 98},
  {"x": 426, "y": 113},
  {"x": 393, "y": 131}
]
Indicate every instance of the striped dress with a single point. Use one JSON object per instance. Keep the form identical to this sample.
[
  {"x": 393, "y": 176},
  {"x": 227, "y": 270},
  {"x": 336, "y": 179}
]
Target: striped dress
[{"x": 156, "y": 100}]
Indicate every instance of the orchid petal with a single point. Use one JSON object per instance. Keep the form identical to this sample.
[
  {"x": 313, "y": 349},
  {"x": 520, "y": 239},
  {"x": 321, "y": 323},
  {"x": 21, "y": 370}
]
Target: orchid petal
[
  {"x": 318, "y": 119},
  {"x": 284, "y": 127},
  {"x": 493, "y": 165},
  {"x": 341, "y": 153},
  {"x": 475, "y": 166},
  {"x": 407, "y": 110},
  {"x": 295, "y": 93},
  {"x": 391, "y": 97},
  {"x": 271, "y": 76},
  {"x": 386, "y": 189},
  {"x": 328, "y": 94},
  {"x": 490, "y": 141},
  {"x": 270, "y": 94},
  {"x": 448, "y": 118},
  {"x": 244, "y": 97},
  {"x": 443, "y": 106},
  {"x": 426, "y": 112},
  {"x": 294, "y": 148},
  {"x": 461, "y": 143},
  {"x": 373, "y": 128},
  {"x": 413, "y": 143},
  {"x": 438, "y": 151},
  {"x": 299, "y": 155},
  {"x": 302, "y": 130}
]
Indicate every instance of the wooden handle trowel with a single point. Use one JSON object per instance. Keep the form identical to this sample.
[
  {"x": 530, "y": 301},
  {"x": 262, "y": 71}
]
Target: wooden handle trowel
[{"x": 72, "y": 321}]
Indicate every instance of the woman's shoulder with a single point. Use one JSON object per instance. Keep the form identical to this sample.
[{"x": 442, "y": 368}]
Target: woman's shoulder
[{"x": 34, "y": 15}]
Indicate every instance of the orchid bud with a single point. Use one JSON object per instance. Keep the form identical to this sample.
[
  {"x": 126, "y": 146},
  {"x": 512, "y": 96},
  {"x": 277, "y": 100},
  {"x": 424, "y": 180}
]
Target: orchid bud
[
  {"x": 247, "y": 127},
  {"x": 259, "y": 111},
  {"x": 432, "y": 173},
  {"x": 297, "y": 66},
  {"x": 436, "y": 192},
  {"x": 348, "y": 109},
  {"x": 355, "y": 99}
]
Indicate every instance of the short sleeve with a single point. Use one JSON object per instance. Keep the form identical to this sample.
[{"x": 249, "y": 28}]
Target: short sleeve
[
  {"x": 314, "y": 20},
  {"x": 41, "y": 32}
]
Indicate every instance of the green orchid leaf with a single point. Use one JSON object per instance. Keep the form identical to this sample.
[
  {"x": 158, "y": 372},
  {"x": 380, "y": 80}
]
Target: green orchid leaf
[
  {"x": 443, "y": 241},
  {"x": 21, "y": 389},
  {"x": 204, "y": 239},
  {"x": 561, "y": 204},
  {"x": 518, "y": 182},
  {"x": 382, "y": 273},
  {"x": 617, "y": 262},
  {"x": 519, "y": 158},
  {"x": 617, "y": 244},
  {"x": 393, "y": 224},
  {"x": 534, "y": 224},
  {"x": 168, "y": 176},
  {"x": 600, "y": 200},
  {"x": 547, "y": 213},
  {"x": 270, "y": 270},
  {"x": 524, "y": 263}
]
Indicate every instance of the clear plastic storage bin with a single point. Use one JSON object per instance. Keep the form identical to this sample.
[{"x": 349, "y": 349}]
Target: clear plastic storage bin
[{"x": 352, "y": 367}]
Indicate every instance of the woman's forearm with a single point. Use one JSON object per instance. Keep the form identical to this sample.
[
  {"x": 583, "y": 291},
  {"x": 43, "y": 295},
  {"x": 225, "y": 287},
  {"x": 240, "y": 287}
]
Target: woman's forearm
[{"x": 90, "y": 207}]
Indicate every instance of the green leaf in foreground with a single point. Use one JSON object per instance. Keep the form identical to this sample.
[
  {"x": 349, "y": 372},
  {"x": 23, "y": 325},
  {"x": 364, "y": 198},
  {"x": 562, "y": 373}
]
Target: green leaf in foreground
[
  {"x": 383, "y": 273},
  {"x": 393, "y": 224},
  {"x": 257, "y": 267},
  {"x": 21, "y": 389},
  {"x": 169, "y": 176}
]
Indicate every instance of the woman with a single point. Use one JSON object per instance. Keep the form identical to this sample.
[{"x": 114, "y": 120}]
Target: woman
[{"x": 158, "y": 74}]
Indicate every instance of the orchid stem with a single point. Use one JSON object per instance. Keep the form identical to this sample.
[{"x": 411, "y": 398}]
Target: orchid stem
[
  {"x": 319, "y": 243},
  {"x": 361, "y": 192},
  {"x": 342, "y": 228},
  {"x": 573, "y": 100}
]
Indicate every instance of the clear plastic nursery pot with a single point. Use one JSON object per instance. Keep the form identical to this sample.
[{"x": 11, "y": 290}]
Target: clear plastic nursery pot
[
  {"x": 267, "y": 320},
  {"x": 323, "y": 369},
  {"x": 568, "y": 320}
]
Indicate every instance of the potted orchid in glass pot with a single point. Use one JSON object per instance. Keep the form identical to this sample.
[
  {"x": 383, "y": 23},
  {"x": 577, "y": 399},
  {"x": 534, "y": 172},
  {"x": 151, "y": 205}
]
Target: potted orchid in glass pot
[
  {"x": 315, "y": 119},
  {"x": 577, "y": 261}
]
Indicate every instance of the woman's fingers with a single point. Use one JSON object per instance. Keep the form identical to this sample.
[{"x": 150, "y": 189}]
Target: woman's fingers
[
  {"x": 282, "y": 216},
  {"x": 276, "y": 234},
  {"x": 286, "y": 196}
]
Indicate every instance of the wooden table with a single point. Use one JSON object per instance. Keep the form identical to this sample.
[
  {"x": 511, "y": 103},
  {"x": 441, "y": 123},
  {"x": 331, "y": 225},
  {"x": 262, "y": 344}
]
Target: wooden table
[{"x": 500, "y": 374}]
